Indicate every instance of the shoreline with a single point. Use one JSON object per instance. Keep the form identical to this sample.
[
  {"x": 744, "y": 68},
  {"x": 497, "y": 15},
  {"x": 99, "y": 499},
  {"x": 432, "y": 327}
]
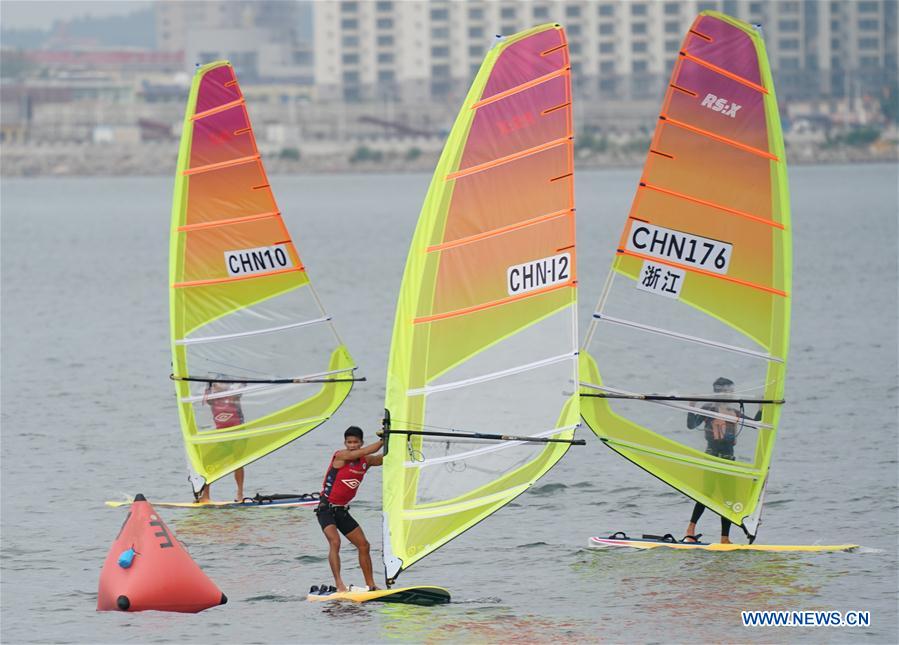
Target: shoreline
[{"x": 159, "y": 159}]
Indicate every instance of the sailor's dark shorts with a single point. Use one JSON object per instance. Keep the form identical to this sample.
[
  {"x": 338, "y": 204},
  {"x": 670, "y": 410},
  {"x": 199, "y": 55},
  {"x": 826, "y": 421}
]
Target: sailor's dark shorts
[{"x": 339, "y": 516}]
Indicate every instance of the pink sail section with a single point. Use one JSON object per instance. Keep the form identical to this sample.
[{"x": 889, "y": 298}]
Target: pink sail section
[
  {"x": 524, "y": 61},
  {"x": 709, "y": 173},
  {"x": 725, "y": 46},
  {"x": 513, "y": 192},
  {"x": 218, "y": 87},
  {"x": 230, "y": 203}
]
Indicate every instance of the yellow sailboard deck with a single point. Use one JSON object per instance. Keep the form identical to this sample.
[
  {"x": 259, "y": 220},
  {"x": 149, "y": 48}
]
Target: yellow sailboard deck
[
  {"x": 636, "y": 543},
  {"x": 405, "y": 595}
]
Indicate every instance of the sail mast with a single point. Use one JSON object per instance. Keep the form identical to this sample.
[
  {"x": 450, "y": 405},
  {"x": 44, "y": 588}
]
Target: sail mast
[{"x": 485, "y": 337}]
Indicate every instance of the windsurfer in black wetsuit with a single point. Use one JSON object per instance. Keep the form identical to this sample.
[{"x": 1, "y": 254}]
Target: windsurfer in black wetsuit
[{"x": 721, "y": 437}]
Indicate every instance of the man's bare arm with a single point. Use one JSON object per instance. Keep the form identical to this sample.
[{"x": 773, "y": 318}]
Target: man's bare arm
[
  {"x": 374, "y": 460},
  {"x": 353, "y": 455}
]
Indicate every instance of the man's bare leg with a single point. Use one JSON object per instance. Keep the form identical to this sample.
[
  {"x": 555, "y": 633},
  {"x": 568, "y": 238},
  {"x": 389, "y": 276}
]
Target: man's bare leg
[
  {"x": 238, "y": 477},
  {"x": 691, "y": 531},
  {"x": 204, "y": 495},
  {"x": 357, "y": 537},
  {"x": 333, "y": 538}
]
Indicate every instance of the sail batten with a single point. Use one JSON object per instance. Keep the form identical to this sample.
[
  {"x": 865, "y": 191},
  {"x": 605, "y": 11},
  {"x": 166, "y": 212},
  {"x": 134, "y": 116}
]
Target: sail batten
[
  {"x": 242, "y": 309},
  {"x": 485, "y": 334},
  {"x": 699, "y": 290}
]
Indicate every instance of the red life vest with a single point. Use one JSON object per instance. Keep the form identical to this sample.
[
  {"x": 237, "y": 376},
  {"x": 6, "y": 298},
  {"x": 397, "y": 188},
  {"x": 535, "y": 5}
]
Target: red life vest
[
  {"x": 340, "y": 484},
  {"x": 226, "y": 411}
]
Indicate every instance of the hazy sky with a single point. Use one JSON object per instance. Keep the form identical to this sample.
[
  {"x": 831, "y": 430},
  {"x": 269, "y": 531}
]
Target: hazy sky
[{"x": 40, "y": 14}]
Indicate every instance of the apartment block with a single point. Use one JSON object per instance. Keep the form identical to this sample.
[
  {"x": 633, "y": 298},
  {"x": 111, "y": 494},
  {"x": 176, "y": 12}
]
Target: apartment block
[{"x": 412, "y": 50}]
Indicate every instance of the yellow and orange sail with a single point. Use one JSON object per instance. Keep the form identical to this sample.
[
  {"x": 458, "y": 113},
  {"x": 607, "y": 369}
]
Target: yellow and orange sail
[
  {"x": 256, "y": 360},
  {"x": 699, "y": 291},
  {"x": 485, "y": 337}
]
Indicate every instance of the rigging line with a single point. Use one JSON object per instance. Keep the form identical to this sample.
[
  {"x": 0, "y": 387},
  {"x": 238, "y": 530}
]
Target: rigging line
[
  {"x": 236, "y": 278},
  {"x": 217, "y": 109},
  {"x": 520, "y": 88},
  {"x": 464, "y": 172},
  {"x": 724, "y": 72},
  {"x": 228, "y": 222},
  {"x": 719, "y": 138},
  {"x": 247, "y": 389},
  {"x": 686, "y": 408},
  {"x": 666, "y": 397},
  {"x": 474, "y": 380},
  {"x": 222, "y": 164},
  {"x": 500, "y": 231},
  {"x": 255, "y": 332},
  {"x": 685, "y": 337},
  {"x": 705, "y": 202},
  {"x": 274, "y": 381},
  {"x": 424, "y": 462},
  {"x": 494, "y": 303},
  {"x": 486, "y": 437}
]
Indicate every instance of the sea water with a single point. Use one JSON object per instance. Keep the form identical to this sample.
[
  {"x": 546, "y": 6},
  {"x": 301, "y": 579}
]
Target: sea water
[{"x": 88, "y": 414}]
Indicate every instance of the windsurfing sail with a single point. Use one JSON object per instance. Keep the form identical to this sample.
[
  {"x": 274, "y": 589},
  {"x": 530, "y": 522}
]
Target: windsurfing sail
[
  {"x": 699, "y": 291},
  {"x": 256, "y": 360},
  {"x": 485, "y": 336}
]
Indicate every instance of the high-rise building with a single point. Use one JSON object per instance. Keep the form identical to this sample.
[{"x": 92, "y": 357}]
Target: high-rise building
[
  {"x": 259, "y": 38},
  {"x": 620, "y": 49}
]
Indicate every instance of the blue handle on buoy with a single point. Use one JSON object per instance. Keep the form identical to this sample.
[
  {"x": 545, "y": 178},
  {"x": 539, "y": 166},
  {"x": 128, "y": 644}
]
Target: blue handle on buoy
[{"x": 127, "y": 558}]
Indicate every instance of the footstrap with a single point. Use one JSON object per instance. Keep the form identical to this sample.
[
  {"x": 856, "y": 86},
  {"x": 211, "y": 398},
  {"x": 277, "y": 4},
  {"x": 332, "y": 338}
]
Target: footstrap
[
  {"x": 618, "y": 535},
  {"x": 660, "y": 538}
]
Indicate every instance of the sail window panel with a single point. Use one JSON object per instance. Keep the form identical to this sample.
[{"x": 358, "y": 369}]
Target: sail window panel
[
  {"x": 752, "y": 242},
  {"x": 729, "y": 493},
  {"x": 218, "y": 87},
  {"x": 519, "y": 122},
  {"x": 508, "y": 194},
  {"x": 221, "y": 137},
  {"x": 289, "y": 353},
  {"x": 710, "y": 170},
  {"x": 256, "y": 402},
  {"x": 708, "y": 308},
  {"x": 503, "y": 266},
  {"x": 720, "y": 105},
  {"x": 543, "y": 339},
  {"x": 527, "y": 60},
  {"x": 525, "y": 404},
  {"x": 243, "y": 249},
  {"x": 724, "y": 46},
  {"x": 670, "y": 421},
  {"x": 277, "y": 311},
  {"x": 228, "y": 193}
]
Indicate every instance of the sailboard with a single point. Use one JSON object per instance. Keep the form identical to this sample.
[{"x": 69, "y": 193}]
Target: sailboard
[
  {"x": 479, "y": 403},
  {"x": 700, "y": 287},
  {"x": 424, "y": 595},
  {"x": 258, "y": 501},
  {"x": 655, "y": 543},
  {"x": 256, "y": 360}
]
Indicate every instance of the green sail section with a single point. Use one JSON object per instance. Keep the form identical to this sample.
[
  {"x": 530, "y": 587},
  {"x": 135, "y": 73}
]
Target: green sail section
[
  {"x": 697, "y": 304},
  {"x": 485, "y": 337},
  {"x": 256, "y": 360}
]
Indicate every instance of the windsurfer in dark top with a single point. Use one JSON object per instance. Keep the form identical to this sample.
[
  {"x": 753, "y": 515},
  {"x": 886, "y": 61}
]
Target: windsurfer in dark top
[
  {"x": 226, "y": 413},
  {"x": 342, "y": 481},
  {"x": 721, "y": 437}
]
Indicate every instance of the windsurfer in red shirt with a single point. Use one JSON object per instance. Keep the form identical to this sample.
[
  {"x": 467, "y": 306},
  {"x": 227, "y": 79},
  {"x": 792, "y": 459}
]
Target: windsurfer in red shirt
[
  {"x": 342, "y": 481},
  {"x": 226, "y": 413}
]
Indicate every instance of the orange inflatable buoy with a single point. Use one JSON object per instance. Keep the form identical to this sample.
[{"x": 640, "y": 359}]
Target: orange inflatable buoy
[{"x": 148, "y": 568}]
